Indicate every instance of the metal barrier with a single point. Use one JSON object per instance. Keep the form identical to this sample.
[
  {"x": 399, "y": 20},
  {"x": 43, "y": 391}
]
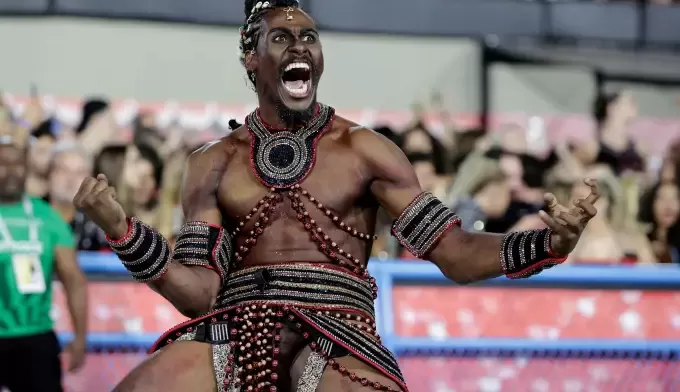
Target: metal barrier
[{"x": 480, "y": 364}]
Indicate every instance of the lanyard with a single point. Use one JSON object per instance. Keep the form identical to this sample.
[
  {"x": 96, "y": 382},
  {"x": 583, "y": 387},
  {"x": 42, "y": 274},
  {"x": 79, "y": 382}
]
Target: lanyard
[{"x": 8, "y": 242}]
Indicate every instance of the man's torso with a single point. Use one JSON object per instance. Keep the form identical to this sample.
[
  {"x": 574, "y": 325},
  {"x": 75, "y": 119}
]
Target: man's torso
[
  {"x": 26, "y": 267},
  {"x": 339, "y": 181}
]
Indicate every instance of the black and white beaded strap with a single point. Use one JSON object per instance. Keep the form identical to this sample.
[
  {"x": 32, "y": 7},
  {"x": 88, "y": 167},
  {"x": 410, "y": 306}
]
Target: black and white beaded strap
[
  {"x": 422, "y": 223},
  {"x": 202, "y": 244},
  {"x": 526, "y": 253},
  {"x": 143, "y": 251}
]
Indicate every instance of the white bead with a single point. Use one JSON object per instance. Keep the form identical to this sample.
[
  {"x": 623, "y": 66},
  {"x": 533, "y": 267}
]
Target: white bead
[{"x": 265, "y": 5}]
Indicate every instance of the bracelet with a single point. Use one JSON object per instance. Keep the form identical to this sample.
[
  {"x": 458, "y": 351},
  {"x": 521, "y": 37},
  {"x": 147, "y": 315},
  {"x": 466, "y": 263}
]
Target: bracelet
[
  {"x": 143, "y": 251},
  {"x": 422, "y": 223},
  {"x": 527, "y": 253},
  {"x": 205, "y": 245}
]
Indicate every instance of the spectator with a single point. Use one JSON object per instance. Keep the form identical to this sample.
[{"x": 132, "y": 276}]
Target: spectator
[
  {"x": 480, "y": 191},
  {"x": 69, "y": 166},
  {"x": 42, "y": 140},
  {"x": 606, "y": 239},
  {"x": 141, "y": 182},
  {"x": 428, "y": 157},
  {"x": 660, "y": 208},
  {"x": 614, "y": 113},
  {"x": 34, "y": 243}
]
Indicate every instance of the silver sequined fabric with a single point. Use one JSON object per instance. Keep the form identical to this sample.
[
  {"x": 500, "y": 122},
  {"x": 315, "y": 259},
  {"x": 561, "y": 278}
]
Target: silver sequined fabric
[{"x": 311, "y": 376}]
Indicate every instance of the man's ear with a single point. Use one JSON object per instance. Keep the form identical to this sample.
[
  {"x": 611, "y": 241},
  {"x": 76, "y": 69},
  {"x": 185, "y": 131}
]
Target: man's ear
[{"x": 251, "y": 61}]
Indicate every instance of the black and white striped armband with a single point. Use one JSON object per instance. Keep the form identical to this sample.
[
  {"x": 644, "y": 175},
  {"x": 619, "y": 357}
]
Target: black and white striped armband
[
  {"x": 143, "y": 251},
  {"x": 422, "y": 223},
  {"x": 205, "y": 245},
  {"x": 526, "y": 253}
]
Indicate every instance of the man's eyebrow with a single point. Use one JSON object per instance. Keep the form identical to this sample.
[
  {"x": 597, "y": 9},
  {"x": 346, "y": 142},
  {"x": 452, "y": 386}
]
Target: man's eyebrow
[{"x": 290, "y": 32}]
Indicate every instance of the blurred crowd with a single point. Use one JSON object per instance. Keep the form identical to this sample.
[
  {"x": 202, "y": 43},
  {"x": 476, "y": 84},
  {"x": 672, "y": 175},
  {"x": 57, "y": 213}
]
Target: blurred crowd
[{"x": 495, "y": 180}]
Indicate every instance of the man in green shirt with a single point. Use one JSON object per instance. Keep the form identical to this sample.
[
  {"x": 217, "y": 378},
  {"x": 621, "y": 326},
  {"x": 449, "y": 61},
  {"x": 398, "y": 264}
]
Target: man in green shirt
[{"x": 35, "y": 242}]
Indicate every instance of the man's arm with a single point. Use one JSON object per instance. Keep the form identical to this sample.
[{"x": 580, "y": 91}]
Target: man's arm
[
  {"x": 189, "y": 276},
  {"x": 75, "y": 285},
  {"x": 193, "y": 289},
  {"x": 462, "y": 256}
]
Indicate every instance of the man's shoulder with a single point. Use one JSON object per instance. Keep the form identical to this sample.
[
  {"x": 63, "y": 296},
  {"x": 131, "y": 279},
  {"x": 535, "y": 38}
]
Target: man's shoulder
[
  {"x": 362, "y": 138},
  {"x": 217, "y": 152}
]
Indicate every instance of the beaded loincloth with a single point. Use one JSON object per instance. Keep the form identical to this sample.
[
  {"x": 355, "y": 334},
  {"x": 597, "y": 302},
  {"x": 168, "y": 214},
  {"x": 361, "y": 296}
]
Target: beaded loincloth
[{"x": 331, "y": 308}]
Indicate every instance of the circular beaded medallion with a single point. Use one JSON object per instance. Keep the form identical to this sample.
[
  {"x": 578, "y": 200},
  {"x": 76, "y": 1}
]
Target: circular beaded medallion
[{"x": 281, "y": 159}]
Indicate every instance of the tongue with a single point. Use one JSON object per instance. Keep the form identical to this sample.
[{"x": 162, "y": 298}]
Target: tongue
[{"x": 295, "y": 84}]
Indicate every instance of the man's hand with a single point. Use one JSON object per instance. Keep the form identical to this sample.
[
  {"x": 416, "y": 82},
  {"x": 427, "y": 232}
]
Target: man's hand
[
  {"x": 97, "y": 199},
  {"x": 568, "y": 224},
  {"x": 75, "y": 352}
]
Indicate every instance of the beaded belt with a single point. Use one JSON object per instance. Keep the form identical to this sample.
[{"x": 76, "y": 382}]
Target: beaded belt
[
  {"x": 332, "y": 309},
  {"x": 319, "y": 287}
]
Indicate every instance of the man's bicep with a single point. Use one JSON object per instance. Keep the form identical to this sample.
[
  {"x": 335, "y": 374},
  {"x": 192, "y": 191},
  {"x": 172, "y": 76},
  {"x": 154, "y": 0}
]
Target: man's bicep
[
  {"x": 394, "y": 184},
  {"x": 202, "y": 176}
]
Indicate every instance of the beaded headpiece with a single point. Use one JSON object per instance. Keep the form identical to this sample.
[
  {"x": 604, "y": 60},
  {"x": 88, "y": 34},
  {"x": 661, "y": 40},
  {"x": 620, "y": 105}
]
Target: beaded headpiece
[{"x": 249, "y": 32}]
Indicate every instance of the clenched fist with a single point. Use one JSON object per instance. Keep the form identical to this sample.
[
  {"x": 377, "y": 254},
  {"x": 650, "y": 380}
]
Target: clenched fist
[{"x": 97, "y": 199}]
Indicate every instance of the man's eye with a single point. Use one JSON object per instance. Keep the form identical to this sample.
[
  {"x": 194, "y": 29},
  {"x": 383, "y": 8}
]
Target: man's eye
[
  {"x": 309, "y": 38},
  {"x": 280, "y": 38}
]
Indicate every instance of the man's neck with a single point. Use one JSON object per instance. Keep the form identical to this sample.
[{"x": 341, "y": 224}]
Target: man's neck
[
  {"x": 66, "y": 209},
  {"x": 270, "y": 116}
]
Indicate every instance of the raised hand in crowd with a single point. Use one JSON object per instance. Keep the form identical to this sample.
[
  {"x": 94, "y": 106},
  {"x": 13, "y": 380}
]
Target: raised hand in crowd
[
  {"x": 97, "y": 199},
  {"x": 568, "y": 224}
]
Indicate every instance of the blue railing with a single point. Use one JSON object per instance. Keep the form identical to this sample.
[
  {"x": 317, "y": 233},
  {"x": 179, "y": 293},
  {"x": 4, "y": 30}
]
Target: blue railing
[{"x": 393, "y": 273}]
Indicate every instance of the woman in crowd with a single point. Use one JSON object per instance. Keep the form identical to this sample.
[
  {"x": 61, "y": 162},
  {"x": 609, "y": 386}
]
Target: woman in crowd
[
  {"x": 611, "y": 237},
  {"x": 660, "y": 209},
  {"x": 480, "y": 191}
]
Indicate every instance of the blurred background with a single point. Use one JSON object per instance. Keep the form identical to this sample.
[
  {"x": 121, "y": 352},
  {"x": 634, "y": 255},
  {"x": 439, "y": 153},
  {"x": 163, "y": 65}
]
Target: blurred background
[{"x": 493, "y": 101}]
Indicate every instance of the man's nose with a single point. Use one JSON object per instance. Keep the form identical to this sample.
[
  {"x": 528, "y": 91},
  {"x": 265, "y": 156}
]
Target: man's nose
[{"x": 298, "y": 47}]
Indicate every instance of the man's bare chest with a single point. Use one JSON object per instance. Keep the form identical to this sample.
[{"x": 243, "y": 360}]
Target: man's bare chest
[{"x": 336, "y": 180}]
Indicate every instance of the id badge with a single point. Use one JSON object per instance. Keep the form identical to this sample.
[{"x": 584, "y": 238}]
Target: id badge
[{"x": 28, "y": 273}]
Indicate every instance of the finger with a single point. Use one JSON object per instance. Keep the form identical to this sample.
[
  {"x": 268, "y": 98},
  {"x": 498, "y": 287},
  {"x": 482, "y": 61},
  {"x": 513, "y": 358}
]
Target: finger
[
  {"x": 84, "y": 190},
  {"x": 102, "y": 177},
  {"x": 573, "y": 223},
  {"x": 587, "y": 208},
  {"x": 594, "y": 190},
  {"x": 552, "y": 224},
  {"x": 100, "y": 187},
  {"x": 109, "y": 192},
  {"x": 93, "y": 197},
  {"x": 550, "y": 202}
]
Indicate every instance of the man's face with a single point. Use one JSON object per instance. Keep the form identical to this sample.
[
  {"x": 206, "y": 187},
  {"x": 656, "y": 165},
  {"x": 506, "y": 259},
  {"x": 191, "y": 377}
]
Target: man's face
[
  {"x": 12, "y": 172},
  {"x": 69, "y": 169},
  {"x": 290, "y": 59}
]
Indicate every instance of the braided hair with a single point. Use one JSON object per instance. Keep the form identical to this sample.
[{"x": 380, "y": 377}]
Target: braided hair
[{"x": 250, "y": 30}]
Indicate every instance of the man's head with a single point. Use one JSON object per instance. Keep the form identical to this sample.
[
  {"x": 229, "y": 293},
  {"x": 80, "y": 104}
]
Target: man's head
[
  {"x": 281, "y": 51},
  {"x": 70, "y": 164},
  {"x": 13, "y": 168}
]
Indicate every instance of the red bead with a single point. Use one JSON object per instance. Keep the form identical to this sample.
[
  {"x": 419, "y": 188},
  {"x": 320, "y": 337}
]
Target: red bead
[
  {"x": 353, "y": 376},
  {"x": 275, "y": 376},
  {"x": 364, "y": 382}
]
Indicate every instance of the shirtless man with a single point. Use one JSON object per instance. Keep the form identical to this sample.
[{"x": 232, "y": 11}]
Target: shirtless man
[{"x": 271, "y": 264}]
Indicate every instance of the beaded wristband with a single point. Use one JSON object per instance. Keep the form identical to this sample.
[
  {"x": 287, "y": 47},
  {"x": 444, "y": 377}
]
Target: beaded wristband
[
  {"x": 143, "y": 251},
  {"x": 526, "y": 253},
  {"x": 205, "y": 245},
  {"x": 422, "y": 223}
]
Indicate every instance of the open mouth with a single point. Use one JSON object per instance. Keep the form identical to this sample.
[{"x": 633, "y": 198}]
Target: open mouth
[{"x": 297, "y": 79}]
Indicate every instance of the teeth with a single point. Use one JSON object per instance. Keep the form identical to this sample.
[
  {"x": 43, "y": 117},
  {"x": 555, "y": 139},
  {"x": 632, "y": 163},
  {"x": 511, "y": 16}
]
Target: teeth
[{"x": 297, "y": 65}]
